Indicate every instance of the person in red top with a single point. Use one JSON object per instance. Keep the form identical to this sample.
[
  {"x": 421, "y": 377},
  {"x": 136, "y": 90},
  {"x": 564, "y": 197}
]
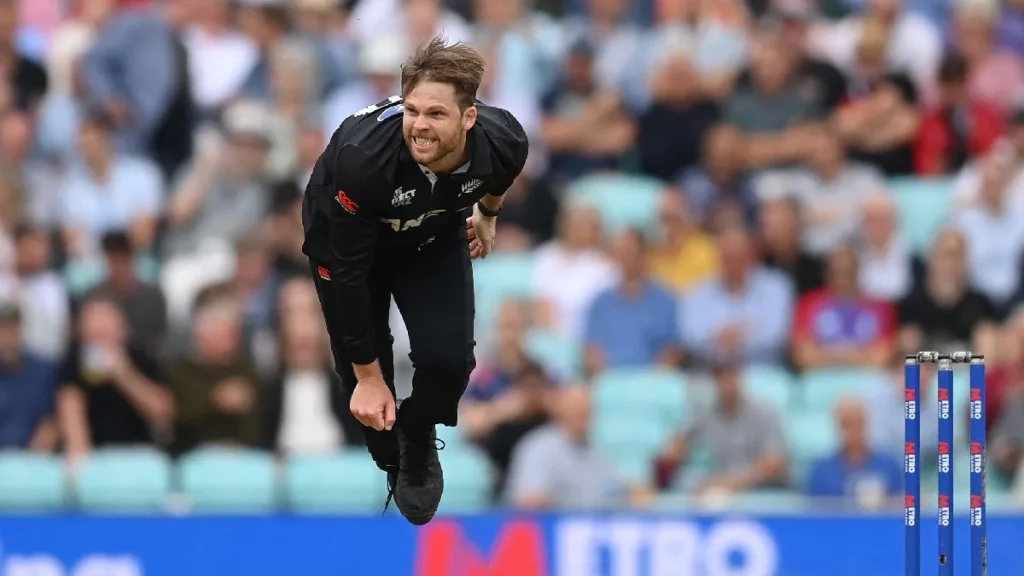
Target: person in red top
[
  {"x": 957, "y": 128},
  {"x": 838, "y": 326}
]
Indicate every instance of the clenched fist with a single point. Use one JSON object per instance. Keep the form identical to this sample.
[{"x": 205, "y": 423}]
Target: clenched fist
[{"x": 373, "y": 404}]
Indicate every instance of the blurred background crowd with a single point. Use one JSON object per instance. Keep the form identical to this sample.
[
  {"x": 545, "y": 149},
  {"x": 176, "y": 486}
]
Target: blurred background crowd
[{"x": 737, "y": 216}]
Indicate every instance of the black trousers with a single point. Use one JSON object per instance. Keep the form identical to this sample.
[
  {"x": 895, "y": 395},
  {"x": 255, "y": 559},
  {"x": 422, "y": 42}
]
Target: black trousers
[{"x": 432, "y": 284}]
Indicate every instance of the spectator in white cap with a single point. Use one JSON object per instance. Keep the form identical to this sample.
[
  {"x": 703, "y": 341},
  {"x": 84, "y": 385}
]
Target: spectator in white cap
[
  {"x": 416, "y": 20},
  {"x": 224, "y": 195},
  {"x": 380, "y": 69}
]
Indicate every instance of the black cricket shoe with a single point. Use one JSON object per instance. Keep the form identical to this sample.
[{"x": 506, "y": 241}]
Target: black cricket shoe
[{"x": 420, "y": 478}]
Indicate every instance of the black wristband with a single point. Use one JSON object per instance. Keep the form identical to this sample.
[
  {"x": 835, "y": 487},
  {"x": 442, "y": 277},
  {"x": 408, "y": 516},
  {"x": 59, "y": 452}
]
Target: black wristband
[{"x": 487, "y": 211}]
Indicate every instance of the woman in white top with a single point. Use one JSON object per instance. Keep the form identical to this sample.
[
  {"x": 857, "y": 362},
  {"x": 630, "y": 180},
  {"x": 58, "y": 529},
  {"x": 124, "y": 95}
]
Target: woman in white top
[{"x": 572, "y": 270}]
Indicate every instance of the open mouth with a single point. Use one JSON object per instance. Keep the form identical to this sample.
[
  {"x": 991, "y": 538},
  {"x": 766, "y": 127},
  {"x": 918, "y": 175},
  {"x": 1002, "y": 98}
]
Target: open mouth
[{"x": 422, "y": 143}]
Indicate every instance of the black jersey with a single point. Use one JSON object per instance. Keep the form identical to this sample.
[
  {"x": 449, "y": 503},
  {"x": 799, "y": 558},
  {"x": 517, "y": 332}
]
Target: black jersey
[{"x": 368, "y": 195}]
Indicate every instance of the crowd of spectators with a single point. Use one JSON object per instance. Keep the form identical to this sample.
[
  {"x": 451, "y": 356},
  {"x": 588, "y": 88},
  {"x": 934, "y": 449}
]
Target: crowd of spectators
[{"x": 153, "y": 155}]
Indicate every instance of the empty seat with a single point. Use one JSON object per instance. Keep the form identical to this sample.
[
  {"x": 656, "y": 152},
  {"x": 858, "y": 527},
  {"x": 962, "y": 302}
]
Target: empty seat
[
  {"x": 504, "y": 275},
  {"x": 562, "y": 356},
  {"x": 811, "y": 435},
  {"x": 467, "y": 481},
  {"x": 624, "y": 200},
  {"x": 124, "y": 480},
  {"x": 338, "y": 482},
  {"x": 31, "y": 482},
  {"x": 629, "y": 435},
  {"x": 225, "y": 480},
  {"x": 821, "y": 389},
  {"x": 771, "y": 385},
  {"x": 655, "y": 394},
  {"x": 924, "y": 206}
]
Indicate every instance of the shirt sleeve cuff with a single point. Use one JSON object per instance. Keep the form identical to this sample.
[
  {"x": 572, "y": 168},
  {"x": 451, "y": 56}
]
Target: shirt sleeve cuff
[{"x": 361, "y": 352}]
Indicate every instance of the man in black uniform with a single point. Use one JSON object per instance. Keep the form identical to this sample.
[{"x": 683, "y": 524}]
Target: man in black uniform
[{"x": 385, "y": 215}]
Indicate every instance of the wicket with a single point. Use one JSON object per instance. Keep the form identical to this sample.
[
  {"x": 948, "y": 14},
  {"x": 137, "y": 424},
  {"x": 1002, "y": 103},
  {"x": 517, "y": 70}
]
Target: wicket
[{"x": 946, "y": 450}]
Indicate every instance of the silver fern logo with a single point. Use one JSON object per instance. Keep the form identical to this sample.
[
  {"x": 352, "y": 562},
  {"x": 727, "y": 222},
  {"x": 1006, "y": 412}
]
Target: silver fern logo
[{"x": 470, "y": 186}]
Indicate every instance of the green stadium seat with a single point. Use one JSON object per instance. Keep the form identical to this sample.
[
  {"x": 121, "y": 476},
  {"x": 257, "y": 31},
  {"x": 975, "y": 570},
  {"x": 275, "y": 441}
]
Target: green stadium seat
[
  {"x": 124, "y": 480},
  {"x": 629, "y": 435},
  {"x": 452, "y": 437},
  {"x": 821, "y": 389},
  {"x": 31, "y": 482},
  {"x": 229, "y": 481},
  {"x": 636, "y": 469},
  {"x": 1000, "y": 499},
  {"x": 468, "y": 481},
  {"x": 504, "y": 275},
  {"x": 341, "y": 482},
  {"x": 810, "y": 435},
  {"x": 769, "y": 384},
  {"x": 487, "y": 307},
  {"x": 924, "y": 206},
  {"x": 624, "y": 200},
  {"x": 654, "y": 394},
  {"x": 558, "y": 354},
  {"x": 961, "y": 386}
]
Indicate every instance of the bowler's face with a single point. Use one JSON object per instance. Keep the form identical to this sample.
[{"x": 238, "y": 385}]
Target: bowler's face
[{"x": 433, "y": 125}]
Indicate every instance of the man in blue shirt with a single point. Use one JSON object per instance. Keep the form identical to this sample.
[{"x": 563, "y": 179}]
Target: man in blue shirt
[
  {"x": 27, "y": 389},
  {"x": 856, "y": 472},
  {"x": 633, "y": 323}
]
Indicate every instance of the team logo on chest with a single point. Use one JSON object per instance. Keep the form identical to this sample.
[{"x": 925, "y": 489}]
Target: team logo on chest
[
  {"x": 470, "y": 186},
  {"x": 402, "y": 197}
]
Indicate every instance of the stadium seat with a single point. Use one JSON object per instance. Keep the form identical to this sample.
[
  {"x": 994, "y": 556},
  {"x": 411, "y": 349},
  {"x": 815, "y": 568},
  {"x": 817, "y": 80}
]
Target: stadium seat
[
  {"x": 769, "y": 384},
  {"x": 452, "y": 437},
  {"x": 343, "y": 482},
  {"x": 82, "y": 275},
  {"x": 504, "y": 275},
  {"x": 124, "y": 480},
  {"x": 562, "y": 356},
  {"x": 467, "y": 481},
  {"x": 961, "y": 386},
  {"x": 924, "y": 206},
  {"x": 487, "y": 307},
  {"x": 653, "y": 394},
  {"x": 31, "y": 482},
  {"x": 821, "y": 389},
  {"x": 624, "y": 200},
  {"x": 637, "y": 469},
  {"x": 999, "y": 498},
  {"x": 810, "y": 435},
  {"x": 629, "y": 435},
  {"x": 226, "y": 480}
]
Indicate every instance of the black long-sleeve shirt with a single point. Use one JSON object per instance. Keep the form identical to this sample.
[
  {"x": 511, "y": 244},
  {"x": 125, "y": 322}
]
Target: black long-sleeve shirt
[{"x": 367, "y": 195}]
